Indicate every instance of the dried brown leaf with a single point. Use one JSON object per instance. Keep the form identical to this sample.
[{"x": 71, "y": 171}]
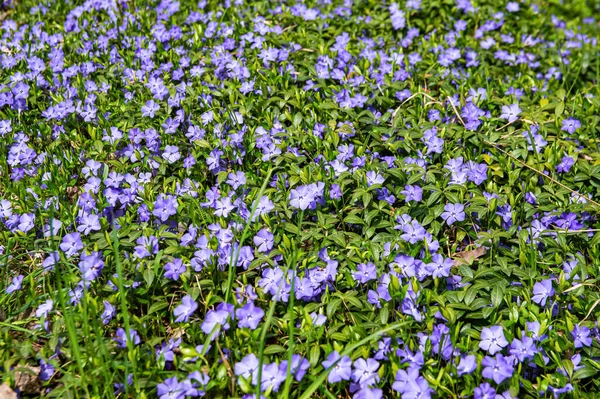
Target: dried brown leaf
[
  {"x": 6, "y": 392},
  {"x": 27, "y": 381},
  {"x": 73, "y": 192},
  {"x": 467, "y": 257}
]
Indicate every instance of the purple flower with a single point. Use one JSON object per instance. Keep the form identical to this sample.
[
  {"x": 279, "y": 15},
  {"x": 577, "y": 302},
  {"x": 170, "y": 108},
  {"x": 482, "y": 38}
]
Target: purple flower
[
  {"x": 565, "y": 164},
  {"x": 505, "y": 395},
  {"x": 121, "y": 338},
  {"x": 510, "y": 112},
  {"x": 50, "y": 261},
  {"x": 301, "y": 198},
  {"x": 5, "y": 208},
  {"x": 71, "y": 244},
  {"x": 171, "y": 388},
  {"x": 523, "y": 349},
  {"x": 189, "y": 161},
  {"x": 45, "y": 308},
  {"x": 174, "y": 269},
  {"x": 265, "y": 205},
  {"x": 246, "y": 256},
  {"x": 365, "y": 272},
  {"x": 498, "y": 368},
  {"x": 365, "y": 372},
  {"x": 15, "y": 285},
  {"x": 439, "y": 266},
  {"x": 467, "y": 365},
  {"x": 236, "y": 179},
  {"x": 263, "y": 240},
  {"x": 542, "y": 291},
  {"x": 52, "y": 228},
  {"x": 538, "y": 139},
  {"x": 413, "y": 4},
  {"x": 411, "y": 384},
  {"x": 570, "y": 125},
  {"x": 299, "y": 367},
  {"x": 534, "y": 328},
  {"x": 213, "y": 319},
  {"x": 453, "y": 213},
  {"x": 87, "y": 223},
  {"x": 91, "y": 266},
  {"x": 171, "y": 153},
  {"x": 46, "y": 370},
  {"x": 165, "y": 206},
  {"x": 272, "y": 377},
  {"x": 397, "y": 16},
  {"x": 413, "y": 232},
  {"x": 249, "y": 316},
  {"x": 581, "y": 336},
  {"x": 341, "y": 367},
  {"x": 271, "y": 280},
  {"x": 492, "y": 339},
  {"x": 512, "y": 6},
  {"x": 146, "y": 246},
  {"x": 368, "y": 393},
  {"x": 384, "y": 194},
  {"x": 21, "y": 91},
  {"x": 318, "y": 319},
  {"x": 150, "y": 108},
  {"x": 335, "y": 192},
  {"x": 248, "y": 368},
  {"x": 374, "y": 178},
  {"x": 223, "y": 207},
  {"x": 108, "y": 313},
  {"x": 412, "y": 193},
  {"x": 485, "y": 391},
  {"x": 557, "y": 392},
  {"x": 186, "y": 309}
]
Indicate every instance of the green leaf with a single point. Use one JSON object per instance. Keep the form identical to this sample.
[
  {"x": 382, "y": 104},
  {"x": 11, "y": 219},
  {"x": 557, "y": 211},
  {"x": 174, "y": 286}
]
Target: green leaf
[
  {"x": 560, "y": 107},
  {"x": 470, "y": 296},
  {"x": 297, "y": 120},
  {"x": 332, "y": 306},
  {"x": 355, "y": 302},
  {"x": 366, "y": 199},
  {"x": 148, "y": 275},
  {"x": 486, "y": 312},
  {"x": 291, "y": 228},
  {"x": 314, "y": 354},
  {"x": 338, "y": 238},
  {"x": 465, "y": 270},
  {"x": 584, "y": 372},
  {"x": 384, "y": 314},
  {"x": 497, "y": 295},
  {"x": 396, "y": 172},
  {"x": 353, "y": 219},
  {"x": 433, "y": 198},
  {"x": 194, "y": 292},
  {"x": 273, "y": 349},
  {"x": 157, "y": 306}
]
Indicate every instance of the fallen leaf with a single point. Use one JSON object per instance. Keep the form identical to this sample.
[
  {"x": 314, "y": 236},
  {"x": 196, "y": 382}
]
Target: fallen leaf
[
  {"x": 6, "y": 392},
  {"x": 467, "y": 257},
  {"x": 73, "y": 192},
  {"x": 27, "y": 381}
]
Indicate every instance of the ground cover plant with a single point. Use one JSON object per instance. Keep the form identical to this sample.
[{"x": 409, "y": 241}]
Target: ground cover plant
[{"x": 321, "y": 199}]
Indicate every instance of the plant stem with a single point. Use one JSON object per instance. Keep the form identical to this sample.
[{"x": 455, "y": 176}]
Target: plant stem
[{"x": 292, "y": 315}]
